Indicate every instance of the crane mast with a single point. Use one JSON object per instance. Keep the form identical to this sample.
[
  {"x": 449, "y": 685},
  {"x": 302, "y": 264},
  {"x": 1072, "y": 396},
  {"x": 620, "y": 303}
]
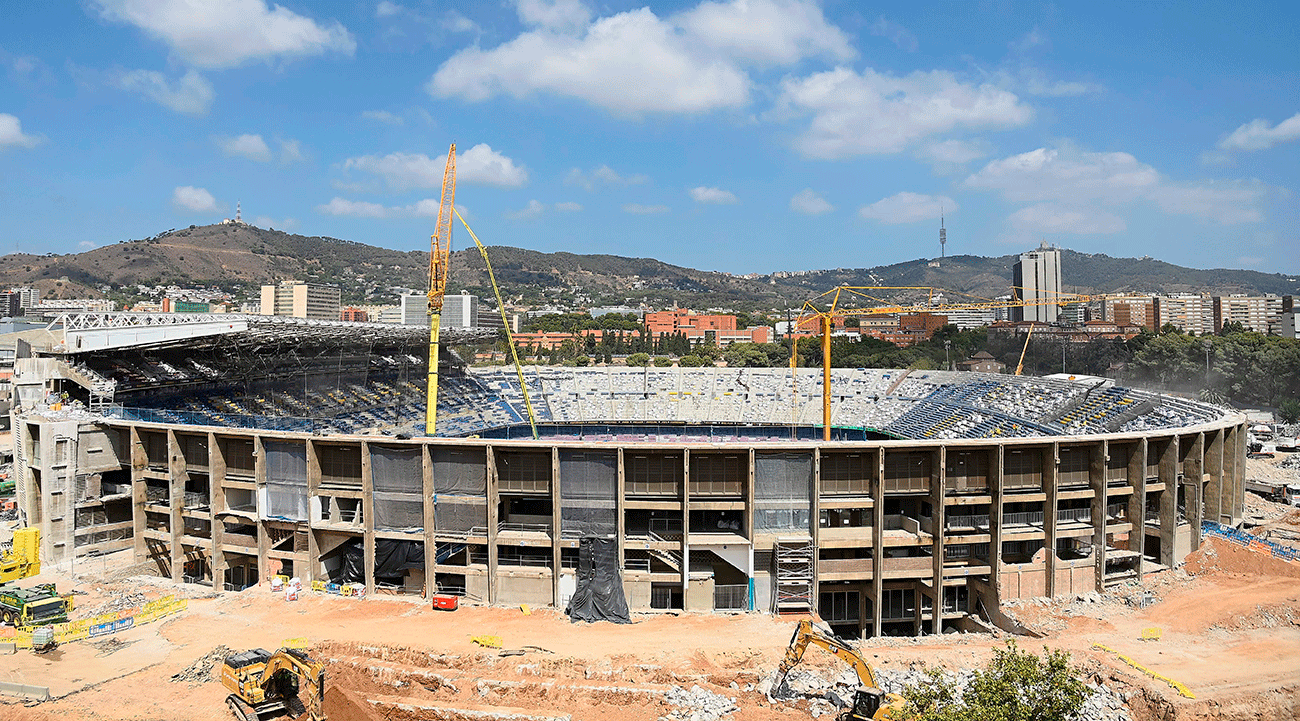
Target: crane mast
[{"x": 439, "y": 257}]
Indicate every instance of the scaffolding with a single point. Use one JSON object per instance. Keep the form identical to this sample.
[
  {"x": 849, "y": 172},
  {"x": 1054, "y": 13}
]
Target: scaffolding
[{"x": 794, "y": 575}]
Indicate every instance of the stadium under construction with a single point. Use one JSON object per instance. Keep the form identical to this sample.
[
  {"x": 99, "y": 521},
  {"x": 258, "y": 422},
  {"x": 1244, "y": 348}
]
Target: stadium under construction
[{"x": 227, "y": 449}]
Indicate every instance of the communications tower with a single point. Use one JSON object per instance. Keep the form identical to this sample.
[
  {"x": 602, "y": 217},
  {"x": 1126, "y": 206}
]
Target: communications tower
[{"x": 943, "y": 237}]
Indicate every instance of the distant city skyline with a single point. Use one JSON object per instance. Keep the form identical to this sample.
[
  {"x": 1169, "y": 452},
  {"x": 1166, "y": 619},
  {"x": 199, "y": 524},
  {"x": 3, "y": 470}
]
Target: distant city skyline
[{"x": 745, "y": 136}]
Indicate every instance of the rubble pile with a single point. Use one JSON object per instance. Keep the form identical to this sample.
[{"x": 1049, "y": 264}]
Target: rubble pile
[
  {"x": 204, "y": 669},
  {"x": 116, "y": 601},
  {"x": 697, "y": 704},
  {"x": 1292, "y": 461}
]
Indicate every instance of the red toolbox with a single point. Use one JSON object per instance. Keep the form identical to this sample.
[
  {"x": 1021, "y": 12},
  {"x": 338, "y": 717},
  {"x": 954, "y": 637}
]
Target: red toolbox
[{"x": 445, "y": 602}]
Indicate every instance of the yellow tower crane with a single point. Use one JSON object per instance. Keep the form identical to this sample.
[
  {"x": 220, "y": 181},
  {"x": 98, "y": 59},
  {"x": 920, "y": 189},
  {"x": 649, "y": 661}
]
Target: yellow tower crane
[
  {"x": 833, "y": 304},
  {"x": 439, "y": 257}
]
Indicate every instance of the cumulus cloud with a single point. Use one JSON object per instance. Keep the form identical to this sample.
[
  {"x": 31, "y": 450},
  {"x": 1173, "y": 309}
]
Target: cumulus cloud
[
  {"x": 246, "y": 146},
  {"x": 191, "y": 94},
  {"x": 291, "y": 152},
  {"x": 457, "y": 23},
  {"x": 1072, "y": 183},
  {"x": 808, "y": 202},
  {"x": 228, "y": 33},
  {"x": 870, "y": 113},
  {"x": 603, "y": 175},
  {"x": 895, "y": 33},
  {"x": 766, "y": 32},
  {"x": 554, "y": 14},
  {"x": 12, "y": 135},
  {"x": 387, "y": 9},
  {"x": 383, "y": 116},
  {"x": 638, "y": 209},
  {"x": 480, "y": 164},
  {"x": 713, "y": 196},
  {"x": 352, "y": 208},
  {"x": 1257, "y": 135},
  {"x": 568, "y": 207},
  {"x": 532, "y": 210},
  {"x": 908, "y": 208},
  {"x": 199, "y": 200}
]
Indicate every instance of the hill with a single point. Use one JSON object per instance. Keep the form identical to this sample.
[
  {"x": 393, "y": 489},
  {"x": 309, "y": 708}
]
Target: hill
[{"x": 239, "y": 258}]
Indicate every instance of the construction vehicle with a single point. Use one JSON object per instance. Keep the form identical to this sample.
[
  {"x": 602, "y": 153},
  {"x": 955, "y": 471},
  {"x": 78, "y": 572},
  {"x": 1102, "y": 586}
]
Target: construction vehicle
[
  {"x": 1020, "y": 367},
  {"x": 24, "y": 559},
  {"x": 869, "y": 702},
  {"x": 38, "y": 606},
  {"x": 264, "y": 684},
  {"x": 439, "y": 258}
]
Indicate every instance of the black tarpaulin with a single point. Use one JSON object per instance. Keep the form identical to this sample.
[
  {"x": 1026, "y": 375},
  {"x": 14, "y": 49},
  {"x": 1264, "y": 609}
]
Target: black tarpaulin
[
  {"x": 393, "y": 558},
  {"x": 599, "y": 595}
]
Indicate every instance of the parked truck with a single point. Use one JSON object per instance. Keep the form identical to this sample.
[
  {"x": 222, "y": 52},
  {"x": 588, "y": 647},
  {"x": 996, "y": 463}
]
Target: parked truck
[{"x": 37, "y": 606}]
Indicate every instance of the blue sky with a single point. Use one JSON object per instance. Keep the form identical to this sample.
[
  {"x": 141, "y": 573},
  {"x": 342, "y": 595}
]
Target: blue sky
[{"x": 733, "y": 135}]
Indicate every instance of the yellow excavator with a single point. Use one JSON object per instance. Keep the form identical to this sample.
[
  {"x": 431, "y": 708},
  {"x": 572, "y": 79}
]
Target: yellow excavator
[
  {"x": 869, "y": 702},
  {"x": 264, "y": 684},
  {"x": 24, "y": 559}
]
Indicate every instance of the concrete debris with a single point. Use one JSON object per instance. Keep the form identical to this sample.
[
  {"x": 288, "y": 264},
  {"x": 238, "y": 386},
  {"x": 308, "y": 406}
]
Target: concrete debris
[
  {"x": 116, "y": 601},
  {"x": 1291, "y": 461},
  {"x": 697, "y": 704},
  {"x": 204, "y": 669}
]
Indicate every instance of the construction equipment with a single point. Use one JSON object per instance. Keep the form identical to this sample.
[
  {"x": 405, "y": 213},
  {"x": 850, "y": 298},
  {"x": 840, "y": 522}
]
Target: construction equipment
[
  {"x": 43, "y": 640},
  {"x": 439, "y": 258},
  {"x": 264, "y": 684},
  {"x": 24, "y": 560},
  {"x": 37, "y": 606},
  {"x": 869, "y": 702},
  {"x": 1020, "y": 367}
]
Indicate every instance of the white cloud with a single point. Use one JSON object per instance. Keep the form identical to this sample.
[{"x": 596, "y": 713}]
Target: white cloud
[
  {"x": 532, "y": 210},
  {"x": 603, "y": 175},
  {"x": 1033, "y": 81},
  {"x": 458, "y": 23},
  {"x": 480, "y": 164},
  {"x": 383, "y": 116},
  {"x": 192, "y": 94},
  {"x": 266, "y": 221},
  {"x": 387, "y": 9},
  {"x": 895, "y": 33},
  {"x": 198, "y": 200},
  {"x": 554, "y": 14},
  {"x": 1054, "y": 218},
  {"x": 246, "y": 146},
  {"x": 12, "y": 135},
  {"x": 227, "y": 33},
  {"x": 86, "y": 244},
  {"x": 427, "y": 208},
  {"x": 867, "y": 113},
  {"x": 362, "y": 187},
  {"x": 908, "y": 208},
  {"x": 1257, "y": 135},
  {"x": 291, "y": 151},
  {"x": 1073, "y": 180},
  {"x": 569, "y": 207},
  {"x": 766, "y": 32},
  {"x": 353, "y": 208},
  {"x": 808, "y": 202},
  {"x": 1032, "y": 39},
  {"x": 948, "y": 155},
  {"x": 638, "y": 209},
  {"x": 714, "y": 196}
]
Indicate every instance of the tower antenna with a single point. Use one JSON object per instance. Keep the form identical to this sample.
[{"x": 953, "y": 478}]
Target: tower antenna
[{"x": 943, "y": 236}]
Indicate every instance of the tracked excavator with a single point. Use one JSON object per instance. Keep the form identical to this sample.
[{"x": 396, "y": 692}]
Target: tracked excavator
[
  {"x": 264, "y": 685},
  {"x": 869, "y": 702}
]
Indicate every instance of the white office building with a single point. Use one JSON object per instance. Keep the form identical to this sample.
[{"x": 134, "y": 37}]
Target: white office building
[{"x": 1037, "y": 278}]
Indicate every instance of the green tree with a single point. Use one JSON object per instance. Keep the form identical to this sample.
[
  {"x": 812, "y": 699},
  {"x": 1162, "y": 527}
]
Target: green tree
[
  {"x": 639, "y": 359},
  {"x": 690, "y": 361},
  {"x": 662, "y": 362},
  {"x": 1289, "y": 411},
  {"x": 581, "y": 360},
  {"x": 1015, "y": 686}
]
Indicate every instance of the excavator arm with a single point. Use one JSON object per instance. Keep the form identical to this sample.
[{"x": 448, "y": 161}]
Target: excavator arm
[
  {"x": 869, "y": 701},
  {"x": 312, "y": 674}
]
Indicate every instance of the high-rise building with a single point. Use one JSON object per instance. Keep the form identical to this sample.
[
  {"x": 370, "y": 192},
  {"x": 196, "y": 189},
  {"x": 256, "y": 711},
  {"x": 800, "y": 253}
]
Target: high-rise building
[
  {"x": 301, "y": 300},
  {"x": 1261, "y": 314},
  {"x": 1130, "y": 310},
  {"x": 1188, "y": 312},
  {"x": 1037, "y": 279},
  {"x": 459, "y": 311},
  {"x": 415, "y": 310}
]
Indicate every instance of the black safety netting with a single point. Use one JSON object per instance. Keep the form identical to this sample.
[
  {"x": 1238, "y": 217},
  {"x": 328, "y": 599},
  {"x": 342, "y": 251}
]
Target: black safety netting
[
  {"x": 782, "y": 491},
  {"x": 397, "y": 477},
  {"x": 286, "y": 480},
  {"x": 599, "y": 592},
  {"x": 588, "y": 486},
  {"x": 460, "y": 489},
  {"x": 393, "y": 559}
]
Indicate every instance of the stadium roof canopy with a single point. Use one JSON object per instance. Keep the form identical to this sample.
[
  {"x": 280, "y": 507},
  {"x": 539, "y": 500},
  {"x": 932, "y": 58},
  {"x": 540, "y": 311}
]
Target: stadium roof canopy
[{"x": 90, "y": 332}]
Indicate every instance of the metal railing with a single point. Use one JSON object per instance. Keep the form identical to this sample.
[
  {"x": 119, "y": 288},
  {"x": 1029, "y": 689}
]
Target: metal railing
[
  {"x": 641, "y": 565},
  {"x": 731, "y": 598},
  {"x": 969, "y": 521},
  {"x": 1023, "y": 518},
  {"x": 524, "y": 527},
  {"x": 1077, "y": 515}
]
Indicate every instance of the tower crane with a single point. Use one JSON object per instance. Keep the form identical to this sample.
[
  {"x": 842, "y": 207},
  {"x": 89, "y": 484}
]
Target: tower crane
[
  {"x": 439, "y": 257},
  {"x": 828, "y": 306}
]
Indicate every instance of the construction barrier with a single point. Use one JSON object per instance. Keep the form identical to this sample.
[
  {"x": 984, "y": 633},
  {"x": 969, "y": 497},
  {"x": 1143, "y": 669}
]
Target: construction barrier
[
  {"x": 1152, "y": 634},
  {"x": 1245, "y": 540},
  {"x": 354, "y": 590},
  {"x": 103, "y": 624},
  {"x": 1181, "y": 689},
  {"x": 35, "y": 693},
  {"x": 300, "y": 642}
]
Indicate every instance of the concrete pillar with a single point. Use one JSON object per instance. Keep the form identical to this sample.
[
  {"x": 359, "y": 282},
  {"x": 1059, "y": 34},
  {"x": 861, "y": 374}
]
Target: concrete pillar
[
  {"x": 1214, "y": 487},
  {"x": 1051, "y": 466},
  {"x": 748, "y": 524},
  {"x": 217, "y": 502},
  {"x": 176, "y": 477},
  {"x": 1097, "y": 481},
  {"x": 1168, "y": 475},
  {"x": 1237, "y": 447},
  {"x": 1137, "y": 502},
  {"x": 557, "y": 527},
  {"x": 309, "y": 573},
  {"x": 1194, "y": 470},
  {"x": 259, "y": 476},
  {"x": 877, "y": 542},
  {"x": 139, "y": 462},
  {"x": 938, "y": 488},
  {"x": 995, "y": 515},
  {"x": 427, "y": 497},
  {"x": 493, "y": 498},
  {"x": 815, "y": 524},
  {"x": 367, "y": 516},
  {"x": 686, "y": 521}
]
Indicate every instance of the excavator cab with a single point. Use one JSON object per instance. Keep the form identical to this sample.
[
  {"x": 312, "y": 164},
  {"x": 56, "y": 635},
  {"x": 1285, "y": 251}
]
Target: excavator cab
[
  {"x": 869, "y": 702},
  {"x": 265, "y": 685}
]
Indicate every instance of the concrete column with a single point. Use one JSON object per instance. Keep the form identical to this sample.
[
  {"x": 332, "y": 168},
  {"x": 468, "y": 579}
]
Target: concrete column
[
  {"x": 139, "y": 462},
  {"x": 1051, "y": 465},
  {"x": 308, "y": 574},
  {"x": 1137, "y": 501},
  {"x": 1214, "y": 487},
  {"x": 995, "y": 516},
  {"x": 686, "y": 521},
  {"x": 877, "y": 541},
  {"x": 557, "y": 527},
  {"x": 176, "y": 477},
  {"x": 493, "y": 498},
  {"x": 1097, "y": 480},
  {"x": 938, "y": 489},
  {"x": 259, "y": 476},
  {"x": 1168, "y": 475},
  {"x": 749, "y": 499},
  {"x": 814, "y": 508},
  {"x": 217, "y": 502},
  {"x": 1237, "y": 434},
  {"x": 1195, "y": 478},
  {"x": 430, "y": 522},
  {"x": 367, "y": 514},
  {"x": 619, "y": 515}
]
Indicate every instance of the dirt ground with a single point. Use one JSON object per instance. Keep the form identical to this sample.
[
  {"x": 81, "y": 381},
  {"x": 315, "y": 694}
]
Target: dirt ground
[{"x": 1228, "y": 625}]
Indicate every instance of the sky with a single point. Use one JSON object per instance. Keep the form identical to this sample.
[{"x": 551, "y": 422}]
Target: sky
[{"x": 743, "y": 136}]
